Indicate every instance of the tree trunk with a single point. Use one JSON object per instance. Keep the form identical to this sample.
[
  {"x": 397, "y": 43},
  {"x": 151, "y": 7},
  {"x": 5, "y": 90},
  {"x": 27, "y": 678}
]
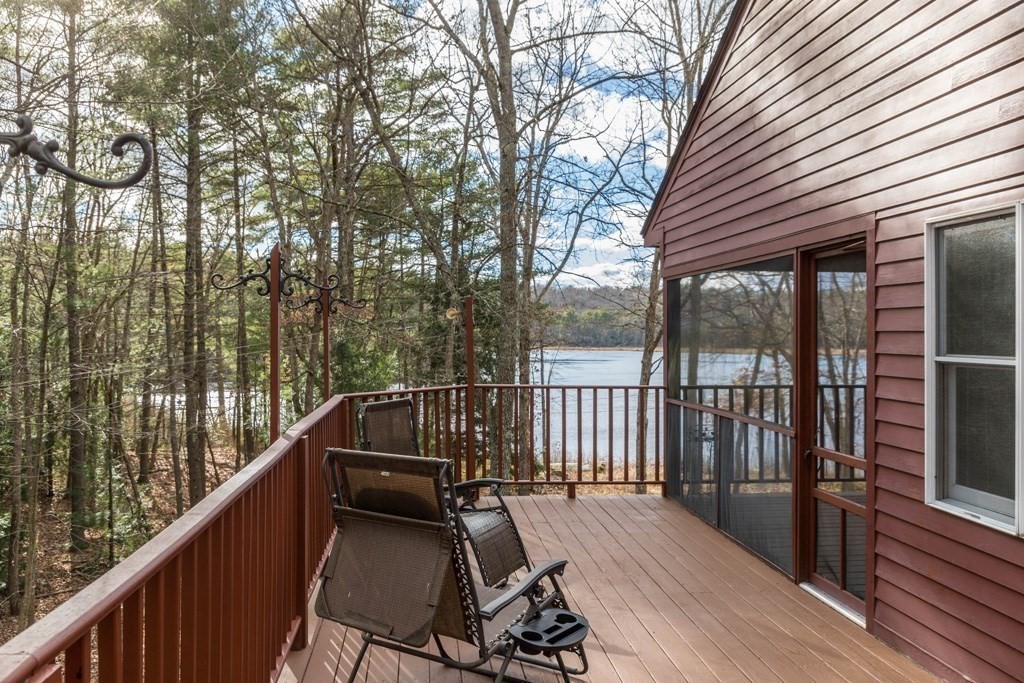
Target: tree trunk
[
  {"x": 147, "y": 434},
  {"x": 652, "y": 341},
  {"x": 171, "y": 358},
  {"x": 243, "y": 398},
  {"x": 19, "y": 358},
  {"x": 194, "y": 319},
  {"x": 78, "y": 376}
]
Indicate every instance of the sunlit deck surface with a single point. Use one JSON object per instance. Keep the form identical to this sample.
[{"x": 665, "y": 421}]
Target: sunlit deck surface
[{"x": 668, "y": 599}]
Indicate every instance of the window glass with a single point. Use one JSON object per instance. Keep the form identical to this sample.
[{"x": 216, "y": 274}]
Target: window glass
[
  {"x": 973, "y": 455},
  {"x": 978, "y": 265},
  {"x": 842, "y": 295},
  {"x": 981, "y": 401}
]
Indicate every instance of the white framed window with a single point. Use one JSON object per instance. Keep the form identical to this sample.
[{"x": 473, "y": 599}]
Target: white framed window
[{"x": 974, "y": 366}]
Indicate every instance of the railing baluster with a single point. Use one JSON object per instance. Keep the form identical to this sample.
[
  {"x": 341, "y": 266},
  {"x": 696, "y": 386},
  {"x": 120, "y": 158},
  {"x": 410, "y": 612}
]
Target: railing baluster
[
  {"x": 579, "y": 433},
  {"x": 111, "y": 654},
  {"x": 499, "y": 446},
  {"x": 438, "y": 434},
  {"x": 837, "y": 431},
  {"x": 546, "y": 426},
  {"x": 447, "y": 425},
  {"x": 611, "y": 436},
  {"x": 625, "y": 435},
  {"x": 252, "y": 582},
  {"x": 532, "y": 454},
  {"x": 842, "y": 548},
  {"x": 189, "y": 612},
  {"x": 236, "y": 568},
  {"x": 593, "y": 432},
  {"x": 220, "y": 606},
  {"x": 517, "y": 434},
  {"x": 131, "y": 627},
  {"x": 171, "y": 635},
  {"x": 563, "y": 439},
  {"x": 851, "y": 423},
  {"x": 485, "y": 407},
  {"x": 78, "y": 661},
  {"x": 657, "y": 433}
]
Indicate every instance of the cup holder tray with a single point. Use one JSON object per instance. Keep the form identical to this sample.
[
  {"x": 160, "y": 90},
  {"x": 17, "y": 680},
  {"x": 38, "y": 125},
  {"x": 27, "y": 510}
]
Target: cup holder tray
[{"x": 551, "y": 631}]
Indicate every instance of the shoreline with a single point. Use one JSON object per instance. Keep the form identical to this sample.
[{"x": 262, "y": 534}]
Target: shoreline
[{"x": 592, "y": 348}]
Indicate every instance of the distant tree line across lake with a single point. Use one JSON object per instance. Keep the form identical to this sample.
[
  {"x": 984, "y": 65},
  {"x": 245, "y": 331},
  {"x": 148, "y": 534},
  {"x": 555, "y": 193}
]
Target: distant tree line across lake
[{"x": 600, "y": 317}]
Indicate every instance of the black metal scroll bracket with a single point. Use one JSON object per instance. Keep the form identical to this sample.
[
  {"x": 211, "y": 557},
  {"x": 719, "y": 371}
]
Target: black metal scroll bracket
[
  {"x": 288, "y": 280},
  {"x": 287, "y": 286},
  {"x": 350, "y": 303},
  {"x": 263, "y": 289},
  {"x": 25, "y": 142}
]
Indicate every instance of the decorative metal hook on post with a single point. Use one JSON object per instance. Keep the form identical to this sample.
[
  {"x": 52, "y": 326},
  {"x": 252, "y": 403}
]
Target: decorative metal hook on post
[
  {"x": 325, "y": 301},
  {"x": 26, "y": 142},
  {"x": 277, "y": 282}
]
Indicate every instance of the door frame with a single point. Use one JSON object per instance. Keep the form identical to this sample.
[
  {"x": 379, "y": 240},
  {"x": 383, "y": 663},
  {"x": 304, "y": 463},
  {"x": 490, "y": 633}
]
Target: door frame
[{"x": 805, "y": 416}]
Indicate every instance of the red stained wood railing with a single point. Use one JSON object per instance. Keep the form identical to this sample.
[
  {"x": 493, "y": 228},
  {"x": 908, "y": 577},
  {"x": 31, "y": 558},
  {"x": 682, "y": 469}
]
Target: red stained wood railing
[
  {"x": 572, "y": 435},
  {"x": 221, "y": 594},
  {"x": 539, "y": 433}
]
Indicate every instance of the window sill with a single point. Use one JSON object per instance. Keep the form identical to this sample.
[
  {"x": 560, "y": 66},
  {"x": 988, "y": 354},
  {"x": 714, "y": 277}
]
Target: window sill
[{"x": 975, "y": 514}]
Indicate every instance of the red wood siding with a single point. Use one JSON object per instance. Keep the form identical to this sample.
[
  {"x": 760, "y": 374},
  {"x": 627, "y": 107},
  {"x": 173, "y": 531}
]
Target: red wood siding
[
  {"x": 835, "y": 109},
  {"x": 894, "y": 112}
]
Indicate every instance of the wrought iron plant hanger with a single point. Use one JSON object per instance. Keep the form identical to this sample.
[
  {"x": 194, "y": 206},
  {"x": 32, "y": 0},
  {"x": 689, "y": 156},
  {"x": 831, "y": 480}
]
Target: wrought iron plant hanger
[
  {"x": 26, "y": 142},
  {"x": 288, "y": 281},
  {"x": 276, "y": 276}
]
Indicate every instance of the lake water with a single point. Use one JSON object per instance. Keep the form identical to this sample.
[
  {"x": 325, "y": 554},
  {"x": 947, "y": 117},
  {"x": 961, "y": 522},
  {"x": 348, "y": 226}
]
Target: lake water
[
  {"x": 592, "y": 366},
  {"x": 600, "y": 422},
  {"x": 603, "y": 421}
]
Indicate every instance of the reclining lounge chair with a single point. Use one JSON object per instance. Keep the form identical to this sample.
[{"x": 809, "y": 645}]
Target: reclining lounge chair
[
  {"x": 390, "y": 427},
  {"x": 398, "y": 572}
]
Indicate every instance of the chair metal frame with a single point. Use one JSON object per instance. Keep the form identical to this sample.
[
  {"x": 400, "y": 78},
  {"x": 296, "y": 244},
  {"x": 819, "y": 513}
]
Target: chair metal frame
[
  {"x": 531, "y": 587},
  {"x": 494, "y": 537}
]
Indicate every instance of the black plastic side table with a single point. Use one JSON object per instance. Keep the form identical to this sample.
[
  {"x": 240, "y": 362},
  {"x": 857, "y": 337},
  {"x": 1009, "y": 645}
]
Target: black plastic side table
[{"x": 549, "y": 633}]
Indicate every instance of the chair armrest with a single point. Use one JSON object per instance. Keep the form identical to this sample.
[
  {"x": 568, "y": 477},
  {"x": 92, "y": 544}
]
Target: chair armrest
[
  {"x": 461, "y": 486},
  {"x": 525, "y": 585}
]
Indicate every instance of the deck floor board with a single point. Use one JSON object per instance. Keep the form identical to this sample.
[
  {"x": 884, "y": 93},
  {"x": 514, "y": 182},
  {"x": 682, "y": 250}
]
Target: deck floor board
[{"x": 669, "y": 599}]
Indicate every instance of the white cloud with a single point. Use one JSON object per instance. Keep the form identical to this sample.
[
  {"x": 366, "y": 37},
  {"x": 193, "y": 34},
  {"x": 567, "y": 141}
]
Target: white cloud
[{"x": 600, "y": 274}]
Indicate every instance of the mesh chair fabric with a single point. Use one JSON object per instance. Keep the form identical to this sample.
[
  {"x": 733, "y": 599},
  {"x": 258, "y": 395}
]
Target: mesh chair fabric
[
  {"x": 499, "y": 551},
  {"x": 369, "y": 586},
  {"x": 388, "y": 427}
]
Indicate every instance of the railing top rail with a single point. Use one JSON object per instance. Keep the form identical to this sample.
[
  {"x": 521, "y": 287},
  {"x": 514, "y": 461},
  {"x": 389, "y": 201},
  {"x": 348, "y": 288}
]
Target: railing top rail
[
  {"x": 767, "y": 386},
  {"x": 418, "y": 390},
  {"x": 48, "y": 637},
  {"x": 570, "y": 386},
  {"x": 737, "y": 417}
]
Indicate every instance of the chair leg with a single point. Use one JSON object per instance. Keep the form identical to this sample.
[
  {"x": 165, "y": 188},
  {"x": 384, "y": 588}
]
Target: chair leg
[
  {"x": 505, "y": 662},
  {"x": 440, "y": 647},
  {"x": 561, "y": 667},
  {"x": 359, "y": 660}
]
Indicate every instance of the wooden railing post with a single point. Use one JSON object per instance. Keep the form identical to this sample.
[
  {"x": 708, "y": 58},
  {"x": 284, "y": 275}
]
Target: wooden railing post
[
  {"x": 275, "y": 343},
  {"x": 302, "y": 573},
  {"x": 470, "y": 391},
  {"x": 325, "y": 320}
]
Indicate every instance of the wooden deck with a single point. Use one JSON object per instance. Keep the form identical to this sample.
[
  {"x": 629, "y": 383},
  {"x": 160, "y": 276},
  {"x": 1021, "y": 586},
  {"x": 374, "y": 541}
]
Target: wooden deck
[{"x": 668, "y": 598}]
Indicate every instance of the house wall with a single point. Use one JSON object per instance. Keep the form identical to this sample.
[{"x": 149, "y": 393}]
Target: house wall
[{"x": 893, "y": 112}]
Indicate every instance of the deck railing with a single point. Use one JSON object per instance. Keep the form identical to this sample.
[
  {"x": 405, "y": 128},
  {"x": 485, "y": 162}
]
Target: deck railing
[
  {"x": 219, "y": 595},
  {"x": 759, "y": 421},
  {"x": 222, "y": 593},
  {"x": 547, "y": 434}
]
